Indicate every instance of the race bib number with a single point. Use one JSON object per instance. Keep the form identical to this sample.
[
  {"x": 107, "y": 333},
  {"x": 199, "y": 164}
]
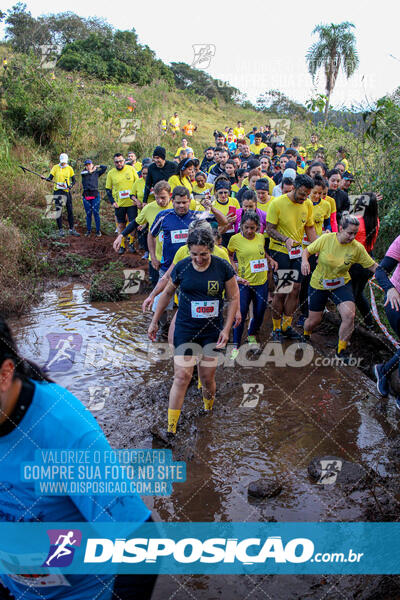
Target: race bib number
[
  {"x": 256, "y": 266},
  {"x": 61, "y": 186},
  {"x": 332, "y": 284},
  {"x": 305, "y": 240},
  {"x": 295, "y": 252},
  {"x": 179, "y": 236},
  {"x": 123, "y": 194},
  {"x": 230, "y": 230},
  {"x": 205, "y": 310},
  {"x": 51, "y": 580},
  {"x": 161, "y": 237}
]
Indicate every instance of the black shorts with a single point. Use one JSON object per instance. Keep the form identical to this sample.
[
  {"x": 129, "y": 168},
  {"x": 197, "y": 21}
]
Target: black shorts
[
  {"x": 317, "y": 299},
  {"x": 188, "y": 343},
  {"x": 288, "y": 268},
  {"x": 122, "y": 212}
]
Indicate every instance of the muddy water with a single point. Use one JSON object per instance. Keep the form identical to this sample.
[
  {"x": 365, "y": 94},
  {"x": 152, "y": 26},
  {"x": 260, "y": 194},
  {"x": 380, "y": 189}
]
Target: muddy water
[{"x": 294, "y": 415}]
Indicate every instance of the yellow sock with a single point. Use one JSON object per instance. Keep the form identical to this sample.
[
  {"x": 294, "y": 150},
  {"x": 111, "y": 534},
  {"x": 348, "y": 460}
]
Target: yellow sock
[
  {"x": 306, "y": 333},
  {"x": 131, "y": 238},
  {"x": 286, "y": 322},
  {"x": 199, "y": 386},
  {"x": 123, "y": 243},
  {"x": 276, "y": 324},
  {"x": 173, "y": 418},
  {"x": 208, "y": 403},
  {"x": 341, "y": 346}
]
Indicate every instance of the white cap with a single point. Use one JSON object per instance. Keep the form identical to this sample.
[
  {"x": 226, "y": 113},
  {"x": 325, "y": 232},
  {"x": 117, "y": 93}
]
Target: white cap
[
  {"x": 63, "y": 158},
  {"x": 289, "y": 173}
]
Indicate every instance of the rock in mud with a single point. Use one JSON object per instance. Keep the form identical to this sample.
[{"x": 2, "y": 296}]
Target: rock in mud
[
  {"x": 329, "y": 470},
  {"x": 264, "y": 488}
]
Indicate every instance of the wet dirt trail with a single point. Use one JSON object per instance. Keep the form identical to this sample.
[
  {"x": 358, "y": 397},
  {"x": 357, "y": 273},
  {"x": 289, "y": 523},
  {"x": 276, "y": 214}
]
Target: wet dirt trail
[{"x": 276, "y": 431}]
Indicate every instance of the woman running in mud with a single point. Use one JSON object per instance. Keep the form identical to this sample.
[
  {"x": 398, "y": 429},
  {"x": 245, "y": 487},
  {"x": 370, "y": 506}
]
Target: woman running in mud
[{"x": 199, "y": 330}]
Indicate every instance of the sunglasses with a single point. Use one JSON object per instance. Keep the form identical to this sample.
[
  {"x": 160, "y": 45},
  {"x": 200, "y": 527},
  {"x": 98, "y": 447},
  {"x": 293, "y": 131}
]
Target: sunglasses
[{"x": 118, "y": 161}]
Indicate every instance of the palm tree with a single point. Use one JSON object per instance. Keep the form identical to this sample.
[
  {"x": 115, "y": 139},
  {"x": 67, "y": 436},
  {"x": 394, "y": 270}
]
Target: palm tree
[{"x": 334, "y": 49}]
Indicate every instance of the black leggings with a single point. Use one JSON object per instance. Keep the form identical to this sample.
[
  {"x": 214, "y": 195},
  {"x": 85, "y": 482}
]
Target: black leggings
[
  {"x": 359, "y": 279},
  {"x": 394, "y": 320},
  {"x": 68, "y": 206},
  {"x": 305, "y": 282}
]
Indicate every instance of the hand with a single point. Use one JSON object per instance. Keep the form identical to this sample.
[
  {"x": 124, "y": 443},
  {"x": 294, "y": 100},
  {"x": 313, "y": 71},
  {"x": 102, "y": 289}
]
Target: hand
[
  {"x": 272, "y": 264},
  {"x": 242, "y": 281},
  {"x": 305, "y": 267},
  {"x": 393, "y": 297},
  {"x": 117, "y": 242},
  {"x": 44, "y": 178},
  {"x": 115, "y": 205},
  {"x": 289, "y": 244},
  {"x": 231, "y": 218},
  {"x": 96, "y": 167},
  {"x": 206, "y": 202},
  {"x": 147, "y": 303},
  {"x": 378, "y": 196},
  {"x": 156, "y": 264},
  {"x": 223, "y": 339},
  {"x": 141, "y": 227},
  {"x": 152, "y": 331},
  {"x": 238, "y": 319}
]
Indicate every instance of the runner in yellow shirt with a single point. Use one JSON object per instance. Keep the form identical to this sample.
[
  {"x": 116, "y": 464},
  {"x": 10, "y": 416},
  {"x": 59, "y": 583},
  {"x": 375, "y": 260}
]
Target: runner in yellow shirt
[
  {"x": 288, "y": 218},
  {"x": 252, "y": 277},
  {"x": 258, "y": 144},
  {"x": 119, "y": 188},
  {"x": 174, "y": 124},
  {"x": 337, "y": 252},
  {"x": 63, "y": 177},
  {"x": 227, "y": 205},
  {"x": 184, "y": 176},
  {"x": 239, "y": 131}
]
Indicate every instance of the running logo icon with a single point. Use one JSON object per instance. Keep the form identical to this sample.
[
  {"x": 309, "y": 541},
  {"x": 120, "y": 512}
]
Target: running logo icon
[
  {"x": 63, "y": 347},
  {"x": 330, "y": 469},
  {"x": 251, "y": 394},
  {"x": 203, "y": 53},
  {"x": 61, "y": 551}
]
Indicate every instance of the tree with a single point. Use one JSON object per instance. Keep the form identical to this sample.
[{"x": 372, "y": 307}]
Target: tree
[
  {"x": 334, "y": 49},
  {"x": 23, "y": 31},
  {"x": 276, "y": 102}
]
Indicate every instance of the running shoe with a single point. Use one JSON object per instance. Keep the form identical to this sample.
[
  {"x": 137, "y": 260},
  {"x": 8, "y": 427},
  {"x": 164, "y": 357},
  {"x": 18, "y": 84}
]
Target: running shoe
[
  {"x": 234, "y": 353},
  {"x": 98, "y": 233},
  {"x": 301, "y": 320},
  {"x": 277, "y": 335},
  {"x": 146, "y": 255},
  {"x": 132, "y": 249},
  {"x": 121, "y": 250},
  {"x": 74, "y": 232},
  {"x": 381, "y": 381},
  {"x": 88, "y": 233},
  {"x": 344, "y": 356},
  {"x": 291, "y": 334},
  {"x": 61, "y": 233},
  {"x": 252, "y": 340}
]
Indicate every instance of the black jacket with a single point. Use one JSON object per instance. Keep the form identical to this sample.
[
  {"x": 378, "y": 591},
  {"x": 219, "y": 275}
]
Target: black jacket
[
  {"x": 342, "y": 202},
  {"x": 206, "y": 164},
  {"x": 156, "y": 174},
  {"x": 90, "y": 181}
]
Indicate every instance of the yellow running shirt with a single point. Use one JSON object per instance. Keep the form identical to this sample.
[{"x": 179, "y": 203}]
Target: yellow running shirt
[
  {"x": 332, "y": 203},
  {"x": 62, "y": 177},
  {"x": 174, "y": 181},
  {"x": 257, "y": 149},
  {"x": 138, "y": 188},
  {"x": 147, "y": 215},
  {"x": 291, "y": 219},
  {"x": 239, "y": 132},
  {"x": 184, "y": 252},
  {"x": 335, "y": 259},
  {"x": 174, "y": 123},
  {"x": 321, "y": 211},
  {"x": 121, "y": 183},
  {"x": 252, "y": 264}
]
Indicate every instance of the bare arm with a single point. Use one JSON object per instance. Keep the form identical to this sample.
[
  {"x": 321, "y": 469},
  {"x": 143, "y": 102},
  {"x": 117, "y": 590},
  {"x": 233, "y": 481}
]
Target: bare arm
[
  {"x": 311, "y": 233},
  {"x": 151, "y": 242}
]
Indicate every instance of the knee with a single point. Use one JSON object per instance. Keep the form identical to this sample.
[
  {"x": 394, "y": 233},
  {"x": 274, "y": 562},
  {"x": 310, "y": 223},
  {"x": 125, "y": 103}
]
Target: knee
[{"x": 182, "y": 378}]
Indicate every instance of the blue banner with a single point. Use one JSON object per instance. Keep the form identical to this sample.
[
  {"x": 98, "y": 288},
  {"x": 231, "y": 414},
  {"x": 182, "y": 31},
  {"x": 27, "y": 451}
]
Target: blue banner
[{"x": 200, "y": 548}]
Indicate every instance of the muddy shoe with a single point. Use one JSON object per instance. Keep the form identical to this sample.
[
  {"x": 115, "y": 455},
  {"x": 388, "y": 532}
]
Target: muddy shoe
[
  {"x": 381, "y": 381},
  {"x": 88, "y": 234},
  {"x": 343, "y": 356},
  {"x": 290, "y": 334},
  {"x": 98, "y": 233},
  {"x": 121, "y": 251},
  {"x": 61, "y": 233},
  {"x": 74, "y": 232},
  {"x": 277, "y": 336},
  {"x": 132, "y": 249},
  {"x": 163, "y": 435}
]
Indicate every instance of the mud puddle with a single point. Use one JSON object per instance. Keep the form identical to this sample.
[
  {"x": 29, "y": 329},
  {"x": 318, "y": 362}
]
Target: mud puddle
[{"x": 270, "y": 422}]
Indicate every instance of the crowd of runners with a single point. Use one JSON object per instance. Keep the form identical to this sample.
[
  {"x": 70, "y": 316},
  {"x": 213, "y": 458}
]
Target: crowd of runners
[{"x": 253, "y": 222}]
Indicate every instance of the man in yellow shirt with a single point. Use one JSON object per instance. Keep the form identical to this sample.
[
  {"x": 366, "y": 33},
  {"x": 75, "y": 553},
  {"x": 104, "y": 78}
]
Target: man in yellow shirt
[
  {"x": 119, "y": 188},
  {"x": 64, "y": 179},
  {"x": 258, "y": 144},
  {"x": 133, "y": 161},
  {"x": 174, "y": 124},
  {"x": 239, "y": 130},
  {"x": 289, "y": 217}
]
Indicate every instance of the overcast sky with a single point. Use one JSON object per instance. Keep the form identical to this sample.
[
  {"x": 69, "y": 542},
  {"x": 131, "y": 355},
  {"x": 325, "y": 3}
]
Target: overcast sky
[{"x": 274, "y": 38}]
